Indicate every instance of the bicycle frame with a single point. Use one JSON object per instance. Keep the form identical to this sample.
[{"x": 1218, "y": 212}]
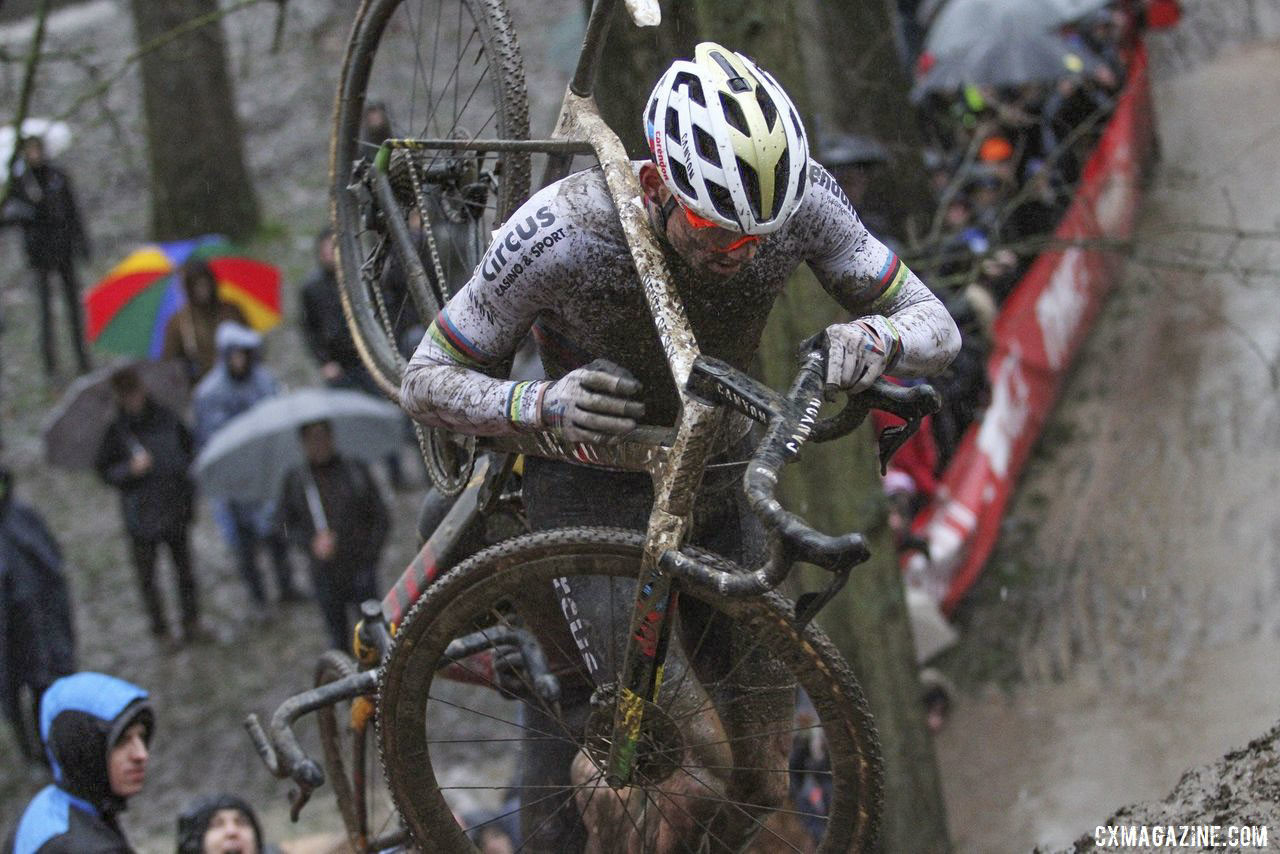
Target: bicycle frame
[{"x": 676, "y": 467}]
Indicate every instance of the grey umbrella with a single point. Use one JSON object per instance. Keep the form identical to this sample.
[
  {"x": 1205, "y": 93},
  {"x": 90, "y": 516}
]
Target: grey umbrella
[
  {"x": 1030, "y": 58},
  {"x": 75, "y": 427},
  {"x": 963, "y": 25},
  {"x": 249, "y": 456}
]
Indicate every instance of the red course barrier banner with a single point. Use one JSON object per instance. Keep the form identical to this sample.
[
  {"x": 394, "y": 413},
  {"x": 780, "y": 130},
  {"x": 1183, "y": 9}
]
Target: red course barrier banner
[{"x": 1040, "y": 326}]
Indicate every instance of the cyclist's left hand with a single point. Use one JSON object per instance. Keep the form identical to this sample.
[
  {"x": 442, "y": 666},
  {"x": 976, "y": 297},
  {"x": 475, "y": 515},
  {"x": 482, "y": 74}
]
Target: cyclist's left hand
[{"x": 859, "y": 352}]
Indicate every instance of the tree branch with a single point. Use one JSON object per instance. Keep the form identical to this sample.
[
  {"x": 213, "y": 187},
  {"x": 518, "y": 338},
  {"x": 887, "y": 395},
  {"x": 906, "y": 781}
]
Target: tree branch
[{"x": 28, "y": 83}]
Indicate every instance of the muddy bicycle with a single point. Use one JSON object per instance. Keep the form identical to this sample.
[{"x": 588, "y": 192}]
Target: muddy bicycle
[{"x": 694, "y": 686}]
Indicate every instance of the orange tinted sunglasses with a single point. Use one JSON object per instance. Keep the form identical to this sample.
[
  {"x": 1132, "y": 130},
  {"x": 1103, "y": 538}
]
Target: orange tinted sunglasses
[{"x": 699, "y": 222}]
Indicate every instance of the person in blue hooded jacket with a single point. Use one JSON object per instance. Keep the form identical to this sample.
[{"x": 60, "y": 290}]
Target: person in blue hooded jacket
[
  {"x": 96, "y": 729},
  {"x": 235, "y": 384}
]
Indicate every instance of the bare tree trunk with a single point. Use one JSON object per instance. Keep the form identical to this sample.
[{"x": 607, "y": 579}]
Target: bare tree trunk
[
  {"x": 867, "y": 91},
  {"x": 28, "y": 84},
  {"x": 837, "y": 486},
  {"x": 199, "y": 183},
  {"x": 635, "y": 56}
]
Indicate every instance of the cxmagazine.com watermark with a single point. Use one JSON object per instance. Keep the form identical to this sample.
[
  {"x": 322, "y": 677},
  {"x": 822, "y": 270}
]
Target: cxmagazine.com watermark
[{"x": 1229, "y": 837}]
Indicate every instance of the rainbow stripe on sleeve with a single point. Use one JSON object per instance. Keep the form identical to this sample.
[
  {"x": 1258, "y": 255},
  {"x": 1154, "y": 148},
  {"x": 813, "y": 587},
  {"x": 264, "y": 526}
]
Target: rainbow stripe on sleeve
[
  {"x": 457, "y": 346},
  {"x": 892, "y": 276}
]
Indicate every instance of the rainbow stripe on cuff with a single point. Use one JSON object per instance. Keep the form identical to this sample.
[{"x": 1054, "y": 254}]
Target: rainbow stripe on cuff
[{"x": 524, "y": 403}]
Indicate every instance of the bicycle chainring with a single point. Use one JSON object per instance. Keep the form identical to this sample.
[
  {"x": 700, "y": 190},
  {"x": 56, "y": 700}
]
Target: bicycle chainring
[{"x": 450, "y": 458}]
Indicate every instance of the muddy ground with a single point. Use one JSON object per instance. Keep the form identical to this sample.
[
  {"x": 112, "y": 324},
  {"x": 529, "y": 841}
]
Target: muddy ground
[
  {"x": 1121, "y": 634},
  {"x": 1128, "y": 628},
  {"x": 202, "y": 694}
]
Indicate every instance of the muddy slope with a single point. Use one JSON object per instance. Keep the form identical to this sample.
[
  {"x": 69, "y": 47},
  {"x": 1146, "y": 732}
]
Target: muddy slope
[{"x": 1130, "y": 617}]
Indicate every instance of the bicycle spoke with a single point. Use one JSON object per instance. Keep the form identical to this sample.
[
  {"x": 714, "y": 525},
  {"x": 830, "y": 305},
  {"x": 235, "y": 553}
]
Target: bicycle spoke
[{"x": 497, "y": 719}]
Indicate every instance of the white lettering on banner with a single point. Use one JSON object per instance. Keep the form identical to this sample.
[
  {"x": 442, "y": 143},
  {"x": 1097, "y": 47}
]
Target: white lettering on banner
[
  {"x": 1061, "y": 307},
  {"x": 1006, "y": 415},
  {"x": 948, "y": 532},
  {"x": 1115, "y": 200}
]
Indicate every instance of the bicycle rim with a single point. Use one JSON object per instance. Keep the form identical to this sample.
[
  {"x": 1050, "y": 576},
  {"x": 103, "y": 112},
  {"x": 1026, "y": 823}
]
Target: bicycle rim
[
  {"x": 360, "y": 793},
  {"x": 715, "y": 764},
  {"x": 447, "y": 69}
]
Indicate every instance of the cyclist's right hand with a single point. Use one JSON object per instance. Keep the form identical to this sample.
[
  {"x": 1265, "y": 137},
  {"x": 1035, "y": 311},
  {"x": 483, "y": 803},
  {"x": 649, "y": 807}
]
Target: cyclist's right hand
[{"x": 594, "y": 403}]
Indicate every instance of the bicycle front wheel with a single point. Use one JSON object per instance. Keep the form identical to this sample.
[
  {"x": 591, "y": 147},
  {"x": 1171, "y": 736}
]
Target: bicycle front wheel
[
  {"x": 346, "y": 731},
  {"x": 760, "y": 741},
  {"x": 439, "y": 69}
]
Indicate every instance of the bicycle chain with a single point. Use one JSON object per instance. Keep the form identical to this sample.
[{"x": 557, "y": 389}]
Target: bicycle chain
[{"x": 431, "y": 440}]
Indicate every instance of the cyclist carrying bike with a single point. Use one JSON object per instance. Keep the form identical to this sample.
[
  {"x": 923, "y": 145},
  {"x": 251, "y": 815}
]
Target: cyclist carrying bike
[{"x": 738, "y": 205}]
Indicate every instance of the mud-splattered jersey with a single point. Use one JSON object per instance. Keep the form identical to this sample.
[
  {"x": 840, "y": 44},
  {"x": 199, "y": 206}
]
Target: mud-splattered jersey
[{"x": 560, "y": 266}]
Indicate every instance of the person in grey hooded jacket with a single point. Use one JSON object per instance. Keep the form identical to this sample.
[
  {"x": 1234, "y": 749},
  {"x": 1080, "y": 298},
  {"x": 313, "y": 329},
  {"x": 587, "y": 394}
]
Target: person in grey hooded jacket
[
  {"x": 97, "y": 731},
  {"x": 237, "y": 381}
]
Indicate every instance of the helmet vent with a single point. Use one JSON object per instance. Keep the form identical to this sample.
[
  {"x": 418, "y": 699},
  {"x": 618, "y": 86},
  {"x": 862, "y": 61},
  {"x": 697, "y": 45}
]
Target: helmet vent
[
  {"x": 673, "y": 125},
  {"x": 733, "y": 114},
  {"x": 780, "y": 174},
  {"x": 750, "y": 183},
  {"x": 706, "y": 145},
  {"x": 766, "y": 107},
  {"x": 694, "y": 85},
  {"x": 722, "y": 200},
  {"x": 681, "y": 177}
]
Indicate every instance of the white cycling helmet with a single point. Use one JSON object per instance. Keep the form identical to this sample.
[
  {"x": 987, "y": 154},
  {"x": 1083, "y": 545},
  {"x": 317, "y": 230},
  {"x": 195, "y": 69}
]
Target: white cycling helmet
[{"x": 727, "y": 141}]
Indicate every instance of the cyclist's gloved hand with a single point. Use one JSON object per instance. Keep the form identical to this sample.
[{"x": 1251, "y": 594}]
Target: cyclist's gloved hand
[
  {"x": 594, "y": 403},
  {"x": 859, "y": 352}
]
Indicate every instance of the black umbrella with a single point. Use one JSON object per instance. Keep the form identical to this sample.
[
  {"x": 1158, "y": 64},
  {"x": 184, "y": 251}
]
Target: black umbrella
[{"x": 75, "y": 427}]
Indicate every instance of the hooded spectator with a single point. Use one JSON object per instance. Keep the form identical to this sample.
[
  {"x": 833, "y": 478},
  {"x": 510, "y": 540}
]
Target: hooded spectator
[
  {"x": 37, "y": 639},
  {"x": 219, "y": 824},
  {"x": 96, "y": 730},
  {"x": 235, "y": 384},
  {"x": 190, "y": 333}
]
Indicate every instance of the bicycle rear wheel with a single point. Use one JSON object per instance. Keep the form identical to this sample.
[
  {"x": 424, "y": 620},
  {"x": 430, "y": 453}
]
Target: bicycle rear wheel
[
  {"x": 714, "y": 770},
  {"x": 444, "y": 69}
]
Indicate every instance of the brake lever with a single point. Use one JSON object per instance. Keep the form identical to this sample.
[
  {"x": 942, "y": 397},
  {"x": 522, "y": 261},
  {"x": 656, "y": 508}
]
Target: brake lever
[
  {"x": 297, "y": 800},
  {"x": 893, "y": 438}
]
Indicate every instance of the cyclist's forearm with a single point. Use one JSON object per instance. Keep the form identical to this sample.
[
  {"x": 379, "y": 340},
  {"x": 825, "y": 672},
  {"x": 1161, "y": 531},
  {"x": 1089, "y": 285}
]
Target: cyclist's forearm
[
  {"x": 927, "y": 337},
  {"x": 451, "y": 396}
]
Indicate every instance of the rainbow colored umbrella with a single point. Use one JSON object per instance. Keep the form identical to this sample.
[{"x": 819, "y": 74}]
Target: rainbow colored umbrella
[{"x": 128, "y": 309}]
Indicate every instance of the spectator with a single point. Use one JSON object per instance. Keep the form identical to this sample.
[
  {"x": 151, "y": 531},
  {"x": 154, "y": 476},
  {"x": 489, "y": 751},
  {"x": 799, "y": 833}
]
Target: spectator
[
  {"x": 219, "y": 824},
  {"x": 37, "y": 639},
  {"x": 234, "y": 385},
  {"x": 329, "y": 338},
  {"x": 324, "y": 326},
  {"x": 41, "y": 201},
  {"x": 145, "y": 454},
  {"x": 96, "y": 730},
  {"x": 189, "y": 334},
  {"x": 332, "y": 510},
  {"x": 964, "y": 385},
  {"x": 855, "y": 161},
  {"x": 375, "y": 128}
]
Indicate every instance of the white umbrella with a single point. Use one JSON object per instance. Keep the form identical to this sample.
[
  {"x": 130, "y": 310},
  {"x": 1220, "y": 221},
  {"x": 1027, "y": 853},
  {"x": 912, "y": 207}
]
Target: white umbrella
[
  {"x": 248, "y": 458},
  {"x": 56, "y": 136}
]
